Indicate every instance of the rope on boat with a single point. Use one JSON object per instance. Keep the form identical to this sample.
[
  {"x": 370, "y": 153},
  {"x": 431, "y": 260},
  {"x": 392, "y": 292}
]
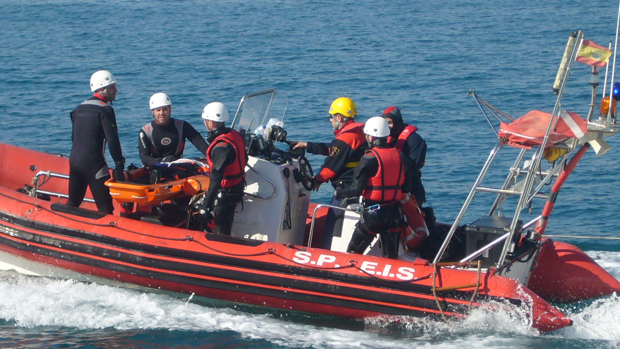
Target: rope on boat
[
  {"x": 443, "y": 315},
  {"x": 476, "y": 286}
]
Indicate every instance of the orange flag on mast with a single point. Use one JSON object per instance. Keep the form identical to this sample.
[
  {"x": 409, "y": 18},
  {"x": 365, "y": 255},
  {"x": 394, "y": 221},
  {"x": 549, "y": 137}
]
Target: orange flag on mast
[{"x": 593, "y": 54}]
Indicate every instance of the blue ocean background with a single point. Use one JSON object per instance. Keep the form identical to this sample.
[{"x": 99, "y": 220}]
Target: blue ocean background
[{"x": 422, "y": 56}]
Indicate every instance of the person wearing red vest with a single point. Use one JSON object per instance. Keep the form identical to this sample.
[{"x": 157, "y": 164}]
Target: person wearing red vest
[
  {"x": 405, "y": 138},
  {"x": 163, "y": 139},
  {"x": 380, "y": 178},
  {"x": 343, "y": 154},
  {"x": 227, "y": 158}
]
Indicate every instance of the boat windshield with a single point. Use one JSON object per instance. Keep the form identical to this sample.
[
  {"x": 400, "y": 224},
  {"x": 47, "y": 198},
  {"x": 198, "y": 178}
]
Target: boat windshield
[{"x": 258, "y": 108}]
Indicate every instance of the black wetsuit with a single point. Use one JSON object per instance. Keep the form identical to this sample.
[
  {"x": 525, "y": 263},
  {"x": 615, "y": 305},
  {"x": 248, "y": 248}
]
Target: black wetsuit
[
  {"x": 165, "y": 142},
  {"x": 94, "y": 124},
  {"x": 223, "y": 201},
  {"x": 405, "y": 138}
]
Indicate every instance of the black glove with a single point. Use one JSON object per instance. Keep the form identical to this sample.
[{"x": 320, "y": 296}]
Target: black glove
[
  {"x": 338, "y": 194},
  {"x": 120, "y": 164},
  {"x": 315, "y": 184},
  {"x": 118, "y": 174},
  {"x": 217, "y": 211},
  {"x": 169, "y": 158}
]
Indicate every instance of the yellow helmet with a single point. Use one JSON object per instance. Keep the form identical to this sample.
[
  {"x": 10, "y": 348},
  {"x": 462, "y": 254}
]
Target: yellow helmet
[{"x": 344, "y": 106}]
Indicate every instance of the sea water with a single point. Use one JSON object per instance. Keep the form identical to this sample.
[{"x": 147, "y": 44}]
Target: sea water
[{"x": 421, "y": 56}]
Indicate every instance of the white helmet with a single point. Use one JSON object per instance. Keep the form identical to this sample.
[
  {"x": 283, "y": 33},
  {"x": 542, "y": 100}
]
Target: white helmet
[
  {"x": 101, "y": 79},
  {"x": 159, "y": 100},
  {"x": 377, "y": 127},
  {"x": 215, "y": 111}
]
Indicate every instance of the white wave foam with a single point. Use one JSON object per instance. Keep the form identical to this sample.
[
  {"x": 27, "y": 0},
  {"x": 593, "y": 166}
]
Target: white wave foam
[
  {"x": 32, "y": 302},
  {"x": 598, "y": 320},
  {"x": 609, "y": 260}
]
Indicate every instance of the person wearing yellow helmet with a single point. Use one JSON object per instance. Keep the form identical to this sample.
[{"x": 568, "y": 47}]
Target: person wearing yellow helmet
[
  {"x": 343, "y": 106},
  {"x": 343, "y": 154}
]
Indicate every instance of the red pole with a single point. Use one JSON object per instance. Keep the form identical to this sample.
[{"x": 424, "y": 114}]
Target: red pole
[{"x": 542, "y": 223}]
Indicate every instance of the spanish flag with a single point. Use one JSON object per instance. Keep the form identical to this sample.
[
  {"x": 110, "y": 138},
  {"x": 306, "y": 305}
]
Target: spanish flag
[{"x": 593, "y": 54}]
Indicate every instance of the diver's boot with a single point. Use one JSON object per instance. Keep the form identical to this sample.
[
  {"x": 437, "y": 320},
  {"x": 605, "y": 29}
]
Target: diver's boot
[
  {"x": 389, "y": 244},
  {"x": 359, "y": 241}
]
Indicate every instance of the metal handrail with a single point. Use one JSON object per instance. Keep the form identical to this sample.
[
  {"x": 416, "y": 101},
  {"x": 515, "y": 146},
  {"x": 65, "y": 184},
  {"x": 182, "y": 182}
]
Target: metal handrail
[
  {"x": 60, "y": 195},
  {"x": 268, "y": 181},
  {"x": 507, "y": 192},
  {"x": 470, "y": 197},
  {"x": 490, "y": 245},
  {"x": 50, "y": 174},
  {"x": 358, "y": 210}
]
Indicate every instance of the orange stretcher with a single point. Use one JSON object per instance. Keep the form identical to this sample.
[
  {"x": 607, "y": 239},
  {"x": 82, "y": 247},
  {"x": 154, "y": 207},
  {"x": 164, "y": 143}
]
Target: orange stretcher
[{"x": 154, "y": 194}]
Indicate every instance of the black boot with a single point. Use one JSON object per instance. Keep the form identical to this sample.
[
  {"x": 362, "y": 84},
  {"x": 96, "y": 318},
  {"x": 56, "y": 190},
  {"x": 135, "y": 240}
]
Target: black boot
[
  {"x": 359, "y": 241},
  {"x": 389, "y": 244}
]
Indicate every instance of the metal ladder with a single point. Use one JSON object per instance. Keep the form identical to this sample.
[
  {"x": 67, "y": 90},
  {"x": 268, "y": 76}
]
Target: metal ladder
[{"x": 526, "y": 189}]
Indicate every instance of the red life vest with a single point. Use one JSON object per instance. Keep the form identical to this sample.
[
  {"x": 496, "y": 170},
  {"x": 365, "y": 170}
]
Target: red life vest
[
  {"x": 235, "y": 172},
  {"x": 402, "y": 137},
  {"x": 386, "y": 185}
]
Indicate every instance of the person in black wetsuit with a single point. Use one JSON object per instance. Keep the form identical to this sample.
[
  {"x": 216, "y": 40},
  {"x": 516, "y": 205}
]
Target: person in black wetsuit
[
  {"x": 94, "y": 125},
  {"x": 163, "y": 139},
  {"x": 405, "y": 138},
  {"x": 227, "y": 158},
  {"x": 381, "y": 177}
]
